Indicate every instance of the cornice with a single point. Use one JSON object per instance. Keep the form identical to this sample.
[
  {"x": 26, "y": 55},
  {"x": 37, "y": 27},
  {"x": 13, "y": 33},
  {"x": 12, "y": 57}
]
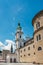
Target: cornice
[
  {"x": 37, "y": 16},
  {"x": 38, "y": 30}
]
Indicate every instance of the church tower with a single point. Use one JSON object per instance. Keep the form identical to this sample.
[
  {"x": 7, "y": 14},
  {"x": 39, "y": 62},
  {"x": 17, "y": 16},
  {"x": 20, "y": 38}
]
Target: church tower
[{"x": 19, "y": 41}]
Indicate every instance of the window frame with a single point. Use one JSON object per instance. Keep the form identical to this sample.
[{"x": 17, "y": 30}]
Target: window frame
[
  {"x": 39, "y": 48},
  {"x": 14, "y": 60},
  {"x": 24, "y": 49},
  {"x": 33, "y": 46},
  {"x": 21, "y": 51},
  {"x": 10, "y": 60},
  {"x": 37, "y": 25},
  {"x": 28, "y": 48},
  {"x": 28, "y": 54},
  {"x": 38, "y": 37}
]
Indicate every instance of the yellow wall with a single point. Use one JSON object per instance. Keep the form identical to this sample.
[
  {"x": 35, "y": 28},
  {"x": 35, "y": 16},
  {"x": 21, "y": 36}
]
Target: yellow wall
[{"x": 27, "y": 58}]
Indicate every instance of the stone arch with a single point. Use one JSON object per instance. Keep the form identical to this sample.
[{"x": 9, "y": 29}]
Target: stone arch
[{"x": 39, "y": 48}]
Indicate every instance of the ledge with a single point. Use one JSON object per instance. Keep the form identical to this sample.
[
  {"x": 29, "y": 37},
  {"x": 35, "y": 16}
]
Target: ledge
[{"x": 38, "y": 30}]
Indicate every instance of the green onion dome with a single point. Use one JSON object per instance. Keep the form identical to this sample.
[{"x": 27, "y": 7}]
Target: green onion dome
[{"x": 19, "y": 27}]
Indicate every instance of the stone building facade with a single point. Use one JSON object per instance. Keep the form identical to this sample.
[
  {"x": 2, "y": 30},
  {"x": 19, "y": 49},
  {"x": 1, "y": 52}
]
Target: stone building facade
[
  {"x": 33, "y": 48},
  {"x": 30, "y": 50}
]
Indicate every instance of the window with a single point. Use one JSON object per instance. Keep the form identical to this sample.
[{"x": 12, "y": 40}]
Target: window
[
  {"x": 39, "y": 48},
  {"x": 21, "y": 55},
  {"x": 20, "y": 36},
  {"x": 34, "y": 53},
  {"x": 21, "y": 51},
  {"x": 34, "y": 62},
  {"x": 24, "y": 44},
  {"x": 38, "y": 25},
  {"x": 33, "y": 46},
  {"x": 38, "y": 37},
  {"x": 28, "y": 48},
  {"x": 0, "y": 51},
  {"x": 24, "y": 49},
  {"x": 10, "y": 60},
  {"x": 20, "y": 46},
  {"x": 29, "y": 54},
  {"x": 24, "y": 55}
]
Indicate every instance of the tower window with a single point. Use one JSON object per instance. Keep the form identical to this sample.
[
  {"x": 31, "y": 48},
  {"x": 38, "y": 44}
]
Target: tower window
[
  {"x": 34, "y": 62},
  {"x": 39, "y": 48},
  {"x": 33, "y": 46},
  {"x": 38, "y": 25},
  {"x": 21, "y": 55},
  {"x": 20, "y": 46},
  {"x": 38, "y": 37},
  {"x": 20, "y": 36},
  {"x": 34, "y": 53},
  {"x": 24, "y": 49},
  {"x": 24, "y": 55},
  {"x": 21, "y": 51},
  {"x": 28, "y": 48},
  {"x": 29, "y": 54},
  {"x": 24, "y": 44}
]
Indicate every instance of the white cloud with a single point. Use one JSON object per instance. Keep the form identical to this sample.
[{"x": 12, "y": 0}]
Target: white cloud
[
  {"x": 1, "y": 44},
  {"x": 9, "y": 42},
  {"x": 8, "y": 46}
]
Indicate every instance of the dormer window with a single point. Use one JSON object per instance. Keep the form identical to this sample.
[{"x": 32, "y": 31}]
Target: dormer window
[{"x": 38, "y": 25}]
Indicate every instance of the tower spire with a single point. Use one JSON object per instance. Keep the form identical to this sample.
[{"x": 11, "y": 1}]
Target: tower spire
[{"x": 11, "y": 48}]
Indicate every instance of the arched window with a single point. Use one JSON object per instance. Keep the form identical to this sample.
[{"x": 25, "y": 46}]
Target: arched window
[
  {"x": 34, "y": 62},
  {"x": 20, "y": 36},
  {"x": 14, "y": 59},
  {"x": 24, "y": 44},
  {"x": 38, "y": 25},
  {"x": 10, "y": 60},
  {"x": 38, "y": 37},
  {"x": 39, "y": 48}
]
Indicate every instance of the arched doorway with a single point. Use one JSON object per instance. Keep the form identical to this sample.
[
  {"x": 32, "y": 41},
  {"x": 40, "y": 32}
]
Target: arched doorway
[
  {"x": 14, "y": 60},
  {"x": 10, "y": 60}
]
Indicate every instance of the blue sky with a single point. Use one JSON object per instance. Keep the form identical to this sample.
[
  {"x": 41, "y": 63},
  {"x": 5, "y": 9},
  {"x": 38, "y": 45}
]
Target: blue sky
[{"x": 14, "y": 11}]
